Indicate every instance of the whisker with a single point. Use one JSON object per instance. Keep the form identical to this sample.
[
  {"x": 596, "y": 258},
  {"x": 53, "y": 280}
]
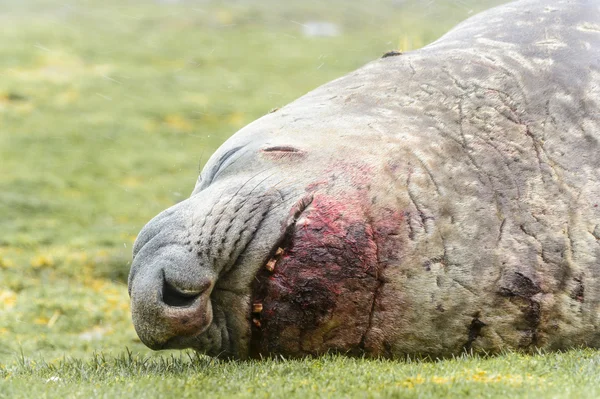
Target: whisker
[{"x": 200, "y": 163}]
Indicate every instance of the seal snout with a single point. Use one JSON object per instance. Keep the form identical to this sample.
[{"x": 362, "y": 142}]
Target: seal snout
[
  {"x": 164, "y": 311},
  {"x": 170, "y": 303}
]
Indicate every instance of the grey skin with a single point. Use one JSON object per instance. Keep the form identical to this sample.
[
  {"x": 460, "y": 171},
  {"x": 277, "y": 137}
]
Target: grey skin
[{"x": 466, "y": 173}]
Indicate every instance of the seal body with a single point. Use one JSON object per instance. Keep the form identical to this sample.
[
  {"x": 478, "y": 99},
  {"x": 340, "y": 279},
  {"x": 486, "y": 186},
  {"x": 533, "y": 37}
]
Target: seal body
[{"x": 431, "y": 202}]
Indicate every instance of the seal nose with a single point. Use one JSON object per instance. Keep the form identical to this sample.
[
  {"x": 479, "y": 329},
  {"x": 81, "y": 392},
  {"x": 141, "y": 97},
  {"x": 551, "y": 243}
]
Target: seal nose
[
  {"x": 186, "y": 311},
  {"x": 177, "y": 298},
  {"x": 166, "y": 310}
]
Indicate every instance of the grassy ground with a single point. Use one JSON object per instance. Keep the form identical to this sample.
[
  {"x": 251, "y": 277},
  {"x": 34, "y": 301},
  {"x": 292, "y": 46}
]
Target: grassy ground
[
  {"x": 569, "y": 375},
  {"x": 107, "y": 110}
]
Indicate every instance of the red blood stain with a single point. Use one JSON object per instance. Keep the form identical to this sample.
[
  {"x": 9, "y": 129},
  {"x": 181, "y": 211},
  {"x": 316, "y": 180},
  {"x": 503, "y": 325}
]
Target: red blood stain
[{"x": 319, "y": 297}]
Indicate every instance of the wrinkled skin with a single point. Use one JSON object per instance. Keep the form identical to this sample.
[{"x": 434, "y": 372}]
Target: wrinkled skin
[{"x": 428, "y": 203}]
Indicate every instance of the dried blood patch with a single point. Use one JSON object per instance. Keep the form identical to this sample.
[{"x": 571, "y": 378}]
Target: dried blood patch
[{"x": 319, "y": 293}]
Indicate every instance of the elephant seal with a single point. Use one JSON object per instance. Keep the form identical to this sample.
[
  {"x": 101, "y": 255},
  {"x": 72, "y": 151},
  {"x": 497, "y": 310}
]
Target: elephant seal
[{"x": 431, "y": 202}]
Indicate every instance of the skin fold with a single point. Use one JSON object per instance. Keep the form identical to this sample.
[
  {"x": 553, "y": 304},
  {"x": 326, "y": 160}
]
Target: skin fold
[{"x": 431, "y": 202}]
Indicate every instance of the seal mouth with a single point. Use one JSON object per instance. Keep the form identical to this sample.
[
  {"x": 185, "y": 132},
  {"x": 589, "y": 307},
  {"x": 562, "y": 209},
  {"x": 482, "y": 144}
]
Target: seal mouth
[
  {"x": 284, "y": 242},
  {"x": 269, "y": 261}
]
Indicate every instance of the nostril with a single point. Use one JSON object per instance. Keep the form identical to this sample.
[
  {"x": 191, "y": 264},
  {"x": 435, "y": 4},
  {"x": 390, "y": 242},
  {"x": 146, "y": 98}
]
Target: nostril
[{"x": 176, "y": 298}]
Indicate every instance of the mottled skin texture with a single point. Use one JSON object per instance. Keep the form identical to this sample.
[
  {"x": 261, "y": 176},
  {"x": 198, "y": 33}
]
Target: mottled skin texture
[{"x": 430, "y": 202}]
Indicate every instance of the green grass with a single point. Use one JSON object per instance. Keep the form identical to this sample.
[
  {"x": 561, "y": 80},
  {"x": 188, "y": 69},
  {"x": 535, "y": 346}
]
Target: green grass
[
  {"x": 569, "y": 375},
  {"x": 107, "y": 110}
]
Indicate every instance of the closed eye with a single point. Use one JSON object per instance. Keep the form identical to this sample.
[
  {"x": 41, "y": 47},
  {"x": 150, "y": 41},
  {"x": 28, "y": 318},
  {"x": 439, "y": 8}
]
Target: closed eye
[
  {"x": 280, "y": 148},
  {"x": 282, "y": 151}
]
